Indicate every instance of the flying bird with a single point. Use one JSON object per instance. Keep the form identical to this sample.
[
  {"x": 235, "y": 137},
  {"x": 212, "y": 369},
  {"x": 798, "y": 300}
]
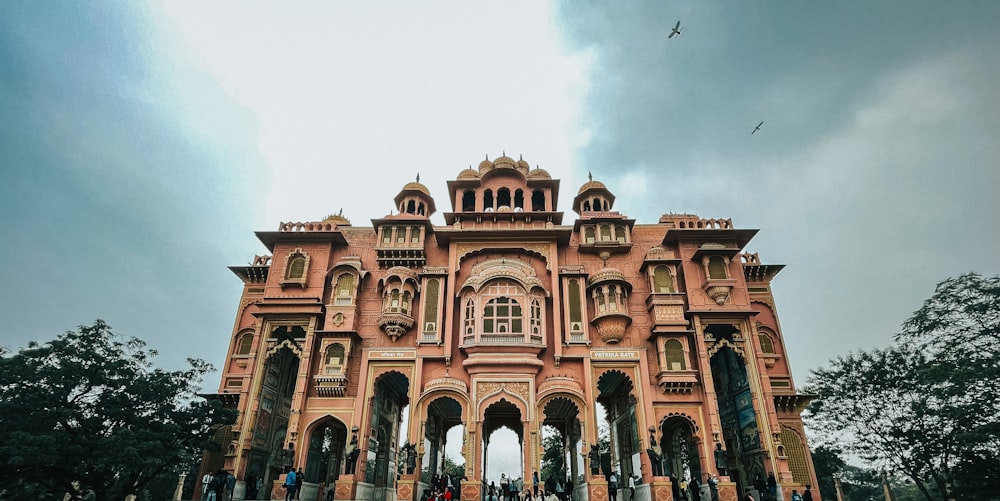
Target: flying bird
[
  {"x": 757, "y": 128},
  {"x": 675, "y": 31}
]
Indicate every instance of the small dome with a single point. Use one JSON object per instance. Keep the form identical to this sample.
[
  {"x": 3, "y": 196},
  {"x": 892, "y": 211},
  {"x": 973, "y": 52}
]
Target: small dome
[
  {"x": 338, "y": 219},
  {"x": 609, "y": 275},
  {"x": 413, "y": 185},
  {"x": 485, "y": 166},
  {"x": 504, "y": 162},
  {"x": 523, "y": 166},
  {"x": 537, "y": 173},
  {"x": 468, "y": 174},
  {"x": 590, "y": 185}
]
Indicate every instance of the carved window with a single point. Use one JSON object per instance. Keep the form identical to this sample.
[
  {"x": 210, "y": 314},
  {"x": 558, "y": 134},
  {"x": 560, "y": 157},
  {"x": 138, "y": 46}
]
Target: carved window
[
  {"x": 605, "y": 233},
  {"x": 415, "y": 235},
  {"x": 488, "y": 200},
  {"x": 503, "y": 197},
  {"x": 717, "y": 268},
  {"x": 537, "y": 200},
  {"x": 602, "y": 304},
  {"x": 663, "y": 281},
  {"x": 404, "y": 307},
  {"x": 588, "y": 234},
  {"x": 766, "y": 344},
  {"x": 470, "y": 317},
  {"x": 431, "y": 305},
  {"x": 344, "y": 290},
  {"x": 469, "y": 201},
  {"x": 536, "y": 318},
  {"x": 620, "y": 233},
  {"x": 797, "y": 462},
  {"x": 296, "y": 267},
  {"x": 393, "y": 305},
  {"x": 519, "y": 199},
  {"x": 334, "y": 359},
  {"x": 387, "y": 234},
  {"x": 575, "y": 315},
  {"x": 673, "y": 353},
  {"x": 502, "y": 316},
  {"x": 244, "y": 344},
  {"x": 400, "y": 235}
]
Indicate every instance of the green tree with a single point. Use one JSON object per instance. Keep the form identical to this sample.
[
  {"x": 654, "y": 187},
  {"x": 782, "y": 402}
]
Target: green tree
[
  {"x": 453, "y": 469},
  {"x": 928, "y": 407},
  {"x": 553, "y": 462},
  {"x": 88, "y": 408}
]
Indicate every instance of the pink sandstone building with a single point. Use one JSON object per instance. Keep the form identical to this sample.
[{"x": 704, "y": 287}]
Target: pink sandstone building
[{"x": 351, "y": 343}]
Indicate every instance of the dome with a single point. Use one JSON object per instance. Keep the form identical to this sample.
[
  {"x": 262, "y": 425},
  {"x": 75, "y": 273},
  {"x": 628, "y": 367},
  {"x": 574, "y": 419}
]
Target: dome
[
  {"x": 504, "y": 162},
  {"x": 485, "y": 166},
  {"x": 338, "y": 219},
  {"x": 468, "y": 174},
  {"x": 413, "y": 185},
  {"x": 522, "y": 165},
  {"x": 537, "y": 173},
  {"x": 592, "y": 185}
]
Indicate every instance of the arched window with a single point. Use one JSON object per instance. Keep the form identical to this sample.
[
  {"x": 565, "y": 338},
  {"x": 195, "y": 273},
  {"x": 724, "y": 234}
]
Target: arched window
[
  {"x": 344, "y": 291},
  {"x": 589, "y": 234},
  {"x": 431, "y": 305},
  {"x": 411, "y": 207},
  {"x": 503, "y": 197},
  {"x": 536, "y": 317},
  {"x": 597, "y": 204},
  {"x": 502, "y": 316},
  {"x": 602, "y": 305},
  {"x": 795, "y": 452},
  {"x": 488, "y": 199},
  {"x": 586, "y": 205},
  {"x": 405, "y": 306},
  {"x": 414, "y": 234},
  {"x": 400, "y": 234},
  {"x": 766, "y": 344},
  {"x": 296, "y": 267},
  {"x": 605, "y": 233},
  {"x": 538, "y": 200},
  {"x": 663, "y": 282},
  {"x": 394, "y": 301},
  {"x": 469, "y": 201},
  {"x": 470, "y": 317},
  {"x": 620, "y": 233},
  {"x": 575, "y": 316},
  {"x": 612, "y": 298},
  {"x": 518, "y": 199},
  {"x": 716, "y": 267},
  {"x": 386, "y": 234},
  {"x": 673, "y": 352},
  {"x": 244, "y": 344},
  {"x": 420, "y": 209},
  {"x": 334, "y": 356}
]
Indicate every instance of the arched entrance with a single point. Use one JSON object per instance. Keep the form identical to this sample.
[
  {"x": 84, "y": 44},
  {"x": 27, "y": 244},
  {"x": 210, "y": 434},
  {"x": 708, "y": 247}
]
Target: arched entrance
[
  {"x": 380, "y": 452},
  {"x": 615, "y": 394},
  {"x": 561, "y": 415},
  {"x": 680, "y": 449},
  {"x": 443, "y": 414},
  {"x": 324, "y": 458},
  {"x": 271, "y": 452},
  {"x": 736, "y": 412},
  {"x": 504, "y": 456}
]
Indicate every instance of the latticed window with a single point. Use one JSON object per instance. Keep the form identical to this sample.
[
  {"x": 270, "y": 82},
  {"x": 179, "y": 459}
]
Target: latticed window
[
  {"x": 405, "y": 306},
  {"x": 334, "y": 359},
  {"x": 470, "y": 317},
  {"x": 716, "y": 267},
  {"x": 588, "y": 234},
  {"x": 620, "y": 234},
  {"x": 766, "y": 344},
  {"x": 344, "y": 290},
  {"x": 605, "y": 233},
  {"x": 394, "y": 301},
  {"x": 296, "y": 267},
  {"x": 673, "y": 352},
  {"x": 431, "y": 304},
  {"x": 502, "y": 315},
  {"x": 415, "y": 235},
  {"x": 662, "y": 281},
  {"x": 244, "y": 344},
  {"x": 536, "y": 317},
  {"x": 575, "y": 316},
  {"x": 796, "y": 455}
]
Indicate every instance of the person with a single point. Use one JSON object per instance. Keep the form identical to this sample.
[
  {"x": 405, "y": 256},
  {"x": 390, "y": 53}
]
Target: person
[
  {"x": 720, "y": 459},
  {"x": 299, "y": 477},
  {"x": 695, "y": 490},
  {"x": 796, "y": 496},
  {"x": 759, "y": 484},
  {"x": 205, "y": 481},
  {"x": 560, "y": 492},
  {"x": 675, "y": 487},
  {"x": 331, "y": 489},
  {"x": 534, "y": 483},
  {"x": 750, "y": 497},
  {"x": 251, "y": 485},
  {"x": 230, "y": 485},
  {"x": 613, "y": 487},
  {"x": 504, "y": 487},
  {"x": 713, "y": 487},
  {"x": 89, "y": 495},
  {"x": 290, "y": 484},
  {"x": 631, "y": 487},
  {"x": 220, "y": 485},
  {"x": 351, "y": 455},
  {"x": 807, "y": 495},
  {"x": 772, "y": 486}
]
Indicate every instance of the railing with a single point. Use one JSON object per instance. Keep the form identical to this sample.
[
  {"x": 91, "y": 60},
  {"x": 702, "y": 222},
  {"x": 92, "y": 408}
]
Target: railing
[
  {"x": 502, "y": 339},
  {"x": 306, "y": 227}
]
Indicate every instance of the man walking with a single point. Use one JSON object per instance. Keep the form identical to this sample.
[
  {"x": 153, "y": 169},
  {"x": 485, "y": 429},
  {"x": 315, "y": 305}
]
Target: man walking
[{"x": 290, "y": 485}]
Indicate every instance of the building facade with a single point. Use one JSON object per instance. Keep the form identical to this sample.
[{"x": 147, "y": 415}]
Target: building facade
[{"x": 356, "y": 349}]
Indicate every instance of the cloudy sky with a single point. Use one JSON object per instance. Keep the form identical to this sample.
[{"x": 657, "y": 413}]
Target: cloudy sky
[{"x": 141, "y": 144}]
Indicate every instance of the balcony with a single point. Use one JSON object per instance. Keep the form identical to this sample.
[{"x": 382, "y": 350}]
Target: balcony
[{"x": 395, "y": 324}]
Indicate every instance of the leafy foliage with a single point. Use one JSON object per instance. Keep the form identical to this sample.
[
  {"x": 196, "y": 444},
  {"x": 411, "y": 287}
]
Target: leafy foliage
[
  {"x": 927, "y": 407},
  {"x": 553, "y": 462},
  {"x": 88, "y": 408}
]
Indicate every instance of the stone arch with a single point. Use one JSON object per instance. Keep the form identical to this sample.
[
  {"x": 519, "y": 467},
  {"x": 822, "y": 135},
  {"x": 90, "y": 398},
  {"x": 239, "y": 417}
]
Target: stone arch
[
  {"x": 681, "y": 446},
  {"x": 324, "y": 454}
]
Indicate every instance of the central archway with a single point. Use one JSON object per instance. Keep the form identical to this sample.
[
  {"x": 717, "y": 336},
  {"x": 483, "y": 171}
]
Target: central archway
[{"x": 507, "y": 457}]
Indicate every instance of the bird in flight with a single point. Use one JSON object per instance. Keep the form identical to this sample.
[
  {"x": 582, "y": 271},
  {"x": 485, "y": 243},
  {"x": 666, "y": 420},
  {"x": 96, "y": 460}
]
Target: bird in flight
[
  {"x": 675, "y": 31},
  {"x": 757, "y": 128}
]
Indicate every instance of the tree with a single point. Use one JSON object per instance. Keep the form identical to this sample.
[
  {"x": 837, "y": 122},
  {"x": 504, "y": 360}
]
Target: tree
[
  {"x": 553, "y": 462},
  {"x": 89, "y": 409},
  {"x": 927, "y": 407}
]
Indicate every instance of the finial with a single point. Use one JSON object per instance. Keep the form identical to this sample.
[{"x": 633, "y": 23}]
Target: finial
[
  {"x": 487, "y": 157},
  {"x": 504, "y": 152},
  {"x": 520, "y": 157},
  {"x": 418, "y": 177},
  {"x": 590, "y": 175},
  {"x": 341, "y": 213}
]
